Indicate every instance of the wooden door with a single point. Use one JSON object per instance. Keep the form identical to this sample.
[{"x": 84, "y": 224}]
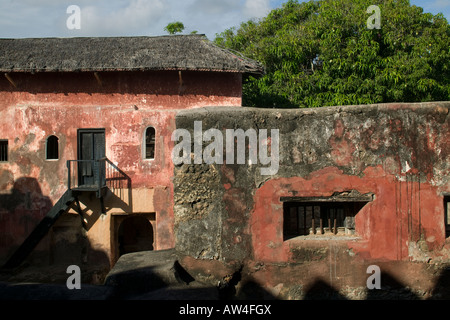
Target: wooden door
[{"x": 91, "y": 148}]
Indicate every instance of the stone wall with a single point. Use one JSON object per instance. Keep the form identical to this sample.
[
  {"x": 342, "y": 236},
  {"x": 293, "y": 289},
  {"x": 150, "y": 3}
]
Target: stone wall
[{"x": 232, "y": 214}]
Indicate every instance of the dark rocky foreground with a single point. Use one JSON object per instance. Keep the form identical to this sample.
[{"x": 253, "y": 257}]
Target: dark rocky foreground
[
  {"x": 149, "y": 275},
  {"x": 157, "y": 275}
]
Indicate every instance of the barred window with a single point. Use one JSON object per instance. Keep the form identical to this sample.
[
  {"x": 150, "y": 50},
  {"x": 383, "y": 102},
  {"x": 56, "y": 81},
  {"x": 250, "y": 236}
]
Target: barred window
[{"x": 316, "y": 216}]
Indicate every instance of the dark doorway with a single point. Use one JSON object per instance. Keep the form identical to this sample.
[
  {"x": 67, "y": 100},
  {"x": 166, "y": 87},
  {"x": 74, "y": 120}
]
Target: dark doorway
[
  {"x": 135, "y": 234},
  {"x": 91, "y": 148}
]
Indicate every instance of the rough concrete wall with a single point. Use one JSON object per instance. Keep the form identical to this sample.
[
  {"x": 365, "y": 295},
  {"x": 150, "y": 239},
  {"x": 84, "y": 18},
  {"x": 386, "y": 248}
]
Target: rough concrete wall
[
  {"x": 125, "y": 104},
  {"x": 399, "y": 152}
]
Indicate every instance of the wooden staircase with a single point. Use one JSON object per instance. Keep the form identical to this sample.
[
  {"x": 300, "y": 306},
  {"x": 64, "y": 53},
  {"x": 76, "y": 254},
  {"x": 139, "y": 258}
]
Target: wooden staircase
[{"x": 105, "y": 174}]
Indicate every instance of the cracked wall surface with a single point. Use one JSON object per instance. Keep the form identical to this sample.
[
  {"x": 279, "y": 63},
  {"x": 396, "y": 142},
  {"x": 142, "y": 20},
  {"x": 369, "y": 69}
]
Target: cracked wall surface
[
  {"x": 124, "y": 104},
  {"x": 398, "y": 152}
]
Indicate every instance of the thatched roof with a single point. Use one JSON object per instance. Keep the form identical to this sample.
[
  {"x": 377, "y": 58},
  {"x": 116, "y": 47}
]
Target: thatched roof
[{"x": 177, "y": 52}]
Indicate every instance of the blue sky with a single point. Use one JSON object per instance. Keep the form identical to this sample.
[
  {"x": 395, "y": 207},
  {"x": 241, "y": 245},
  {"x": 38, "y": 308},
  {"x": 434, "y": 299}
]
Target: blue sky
[{"x": 47, "y": 18}]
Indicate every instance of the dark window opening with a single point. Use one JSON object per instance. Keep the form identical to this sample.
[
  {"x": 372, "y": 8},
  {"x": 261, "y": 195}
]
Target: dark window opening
[
  {"x": 447, "y": 215},
  {"x": 318, "y": 218},
  {"x": 3, "y": 150},
  {"x": 52, "y": 152},
  {"x": 150, "y": 143}
]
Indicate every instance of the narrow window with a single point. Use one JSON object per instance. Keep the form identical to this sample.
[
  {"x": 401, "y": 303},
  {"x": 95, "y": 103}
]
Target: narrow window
[
  {"x": 3, "y": 150},
  {"x": 447, "y": 215},
  {"x": 150, "y": 143},
  {"x": 52, "y": 152}
]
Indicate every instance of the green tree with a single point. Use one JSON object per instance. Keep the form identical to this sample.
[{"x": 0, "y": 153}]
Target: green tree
[
  {"x": 322, "y": 52},
  {"x": 174, "y": 27}
]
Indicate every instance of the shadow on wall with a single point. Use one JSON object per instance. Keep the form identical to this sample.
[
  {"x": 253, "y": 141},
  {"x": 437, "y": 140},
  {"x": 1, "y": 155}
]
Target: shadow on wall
[
  {"x": 27, "y": 194},
  {"x": 160, "y": 83},
  {"x": 157, "y": 275},
  {"x": 391, "y": 289},
  {"x": 20, "y": 211},
  {"x": 66, "y": 243},
  {"x": 442, "y": 288},
  {"x": 69, "y": 244},
  {"x": 172, "y": 283}
]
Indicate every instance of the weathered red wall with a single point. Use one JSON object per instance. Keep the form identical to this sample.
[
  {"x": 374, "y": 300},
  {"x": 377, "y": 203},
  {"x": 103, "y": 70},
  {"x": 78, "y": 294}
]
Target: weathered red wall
[
  {"x": 400, "y": 153},
  {"x": 401, "y": 213},
  {"x": 161, "y": 90},
  {"x": 125, "y": 104}
]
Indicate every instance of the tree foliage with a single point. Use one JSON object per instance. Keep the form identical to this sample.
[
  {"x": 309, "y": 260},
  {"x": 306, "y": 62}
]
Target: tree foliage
[
  {"x": 322, "y": 52},
  {"x": 174, "y": 27}
]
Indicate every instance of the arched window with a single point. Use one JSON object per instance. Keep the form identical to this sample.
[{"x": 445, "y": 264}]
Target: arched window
[
  {"x": 149, "y": 143},
  {"x": 51, "y": 148}
]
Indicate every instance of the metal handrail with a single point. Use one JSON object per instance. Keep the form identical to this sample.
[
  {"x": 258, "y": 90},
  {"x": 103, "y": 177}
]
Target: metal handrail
[
  {"x": 98, "y": 178},
  {"x": 107, "y": 175}
]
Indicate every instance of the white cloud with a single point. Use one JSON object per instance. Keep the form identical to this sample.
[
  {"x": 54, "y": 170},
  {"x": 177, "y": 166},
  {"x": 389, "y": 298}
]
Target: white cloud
[
  {"x": 256, "y": 8},
  {"x": 208, "y": 7},
  {"x": 214, "y": 16},
  {"x": 135, "y": 18},
  {"x": 47, "y": 18}
]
